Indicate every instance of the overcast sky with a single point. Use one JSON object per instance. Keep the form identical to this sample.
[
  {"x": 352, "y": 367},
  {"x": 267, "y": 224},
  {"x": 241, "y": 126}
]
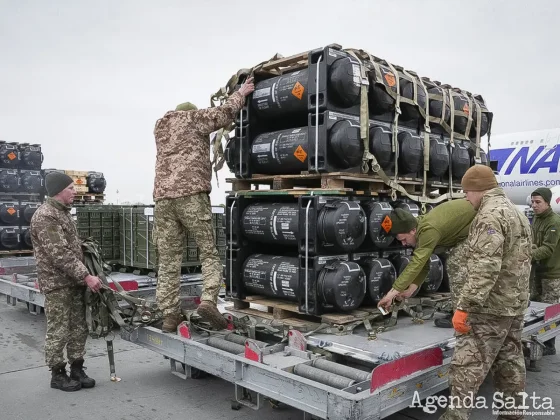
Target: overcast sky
[{"x": 94, "y": 76}]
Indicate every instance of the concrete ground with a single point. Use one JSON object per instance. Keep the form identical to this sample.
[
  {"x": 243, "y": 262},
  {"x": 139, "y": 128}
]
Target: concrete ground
[{"x": 148, "y": 391}]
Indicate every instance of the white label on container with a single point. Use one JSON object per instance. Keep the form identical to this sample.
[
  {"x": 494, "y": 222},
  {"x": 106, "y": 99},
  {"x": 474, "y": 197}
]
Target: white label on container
[
  {"x": 261, "y": 148},
  {"x": 261, "y": 92}
]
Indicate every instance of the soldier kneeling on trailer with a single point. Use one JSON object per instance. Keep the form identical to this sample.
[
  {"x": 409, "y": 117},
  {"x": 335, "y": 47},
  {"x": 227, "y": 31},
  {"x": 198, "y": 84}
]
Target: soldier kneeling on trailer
[
  {"x": 445, "y": 228},
  {"x": 182, "y": 203},
  {"x": 63, "y": 278},
  {"x": 545, "y": 283}
]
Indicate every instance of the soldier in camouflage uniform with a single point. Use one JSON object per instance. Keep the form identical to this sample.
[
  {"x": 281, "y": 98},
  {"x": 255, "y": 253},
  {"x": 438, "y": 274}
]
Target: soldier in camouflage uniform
[
  {"x": 445, "y": 228},
  {"x": 545, "y": 285},
  {"x": 62, "y": 278},
  {"x": 181, "y": 195},
  {"x": 489, "y": 316}
]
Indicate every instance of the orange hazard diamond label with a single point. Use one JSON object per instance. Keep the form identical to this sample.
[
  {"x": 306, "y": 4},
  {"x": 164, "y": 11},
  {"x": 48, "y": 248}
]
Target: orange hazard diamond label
[
  {"x": 300, "y": 154},
  {"x": 387, "y": 224},
  {"x": 298, "y": 90},
  {"x": 79, "y": 181},
  {"x": 12, "y": 156},
  {"x": 466, "y": 108},
  {"x": 390, "y": 79},
  {"x": 11, "y": 211}
]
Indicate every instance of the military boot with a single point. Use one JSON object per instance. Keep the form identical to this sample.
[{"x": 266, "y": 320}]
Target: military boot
[
  {"x": 171, "y": 322},
  {"x": 550, "y": 347},
  {"x": 445, "y": 322},
  {"x": 61, "y": 380},
  {"x": 209, "y": 312},
  {"x": 77, "y": 373}
]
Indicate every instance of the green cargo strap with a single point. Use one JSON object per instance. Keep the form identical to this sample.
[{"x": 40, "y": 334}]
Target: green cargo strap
[
  {"x": 439, "y": 120},
  {"x": 478, "y": 125},
  {"x": 462, "y": 136},
  {"x": 102, "y": 308},
  {"x": 469, "y": 118},
  {"x": 427, "y": 132},
  {"x": 364, "y": 113}
]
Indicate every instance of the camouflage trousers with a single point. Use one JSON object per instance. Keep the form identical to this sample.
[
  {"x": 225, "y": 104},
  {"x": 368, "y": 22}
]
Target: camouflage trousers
[
  {"x": 456, "y": 265},
  {"x": 550, "y": 290},
  {"x": 65, "y": 310},
  {"x": 493, "y": 345},
  {"x": 173, "y": 218}
]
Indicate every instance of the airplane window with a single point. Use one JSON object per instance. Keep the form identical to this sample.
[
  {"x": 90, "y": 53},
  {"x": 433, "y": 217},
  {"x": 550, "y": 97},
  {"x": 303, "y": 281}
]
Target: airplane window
[{"x": 531, "y": 141}]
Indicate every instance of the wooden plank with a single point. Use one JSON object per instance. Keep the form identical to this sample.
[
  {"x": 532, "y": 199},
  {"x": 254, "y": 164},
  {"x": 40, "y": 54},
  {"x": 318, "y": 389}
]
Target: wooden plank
[
  {"x": 293, "y": 322},
  {"x": 292, "y": 59}
]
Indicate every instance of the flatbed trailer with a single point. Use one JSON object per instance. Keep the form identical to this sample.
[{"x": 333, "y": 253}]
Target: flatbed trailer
[{"x": 331, "y": 376}]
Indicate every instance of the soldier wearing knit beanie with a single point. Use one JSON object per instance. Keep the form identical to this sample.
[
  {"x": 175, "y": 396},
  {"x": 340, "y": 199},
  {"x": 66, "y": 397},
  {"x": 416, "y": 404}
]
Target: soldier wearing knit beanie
[{"x": 478, "y": 180}]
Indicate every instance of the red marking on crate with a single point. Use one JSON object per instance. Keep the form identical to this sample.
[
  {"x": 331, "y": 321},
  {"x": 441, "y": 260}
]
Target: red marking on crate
[
  {"x": 184, "y": 330},
  {"x": 407, "y": 365},
  {"x": 127, "y": 285},
  {"x": 551, "y": 311}
]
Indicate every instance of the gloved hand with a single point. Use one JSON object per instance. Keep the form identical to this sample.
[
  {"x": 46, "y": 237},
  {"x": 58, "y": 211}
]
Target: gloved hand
[{"x": 460, "y": 322}]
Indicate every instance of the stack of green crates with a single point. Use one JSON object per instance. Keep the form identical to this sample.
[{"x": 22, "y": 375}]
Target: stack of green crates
[
  {"x": 125, "y": 234},
  {"x": 100, "y": 224}
]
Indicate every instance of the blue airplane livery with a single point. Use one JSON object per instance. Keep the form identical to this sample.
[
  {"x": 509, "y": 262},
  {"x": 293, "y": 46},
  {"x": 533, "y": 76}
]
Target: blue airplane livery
[{"x": 526, "y": 161}]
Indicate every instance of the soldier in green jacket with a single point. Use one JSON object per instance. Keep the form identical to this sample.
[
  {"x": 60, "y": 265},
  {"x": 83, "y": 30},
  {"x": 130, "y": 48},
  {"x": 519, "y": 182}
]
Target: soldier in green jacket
[
  {"x": 545, "y": 285},
  {"x": 444, "y": 228}
]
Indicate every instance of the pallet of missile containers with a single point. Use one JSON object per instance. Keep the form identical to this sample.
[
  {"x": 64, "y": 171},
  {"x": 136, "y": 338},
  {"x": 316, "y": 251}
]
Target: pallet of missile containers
[
  {"x": 21, "y": 193},
  {"x": 316, "y": 114},
  {"x": 335, "y": 247}
]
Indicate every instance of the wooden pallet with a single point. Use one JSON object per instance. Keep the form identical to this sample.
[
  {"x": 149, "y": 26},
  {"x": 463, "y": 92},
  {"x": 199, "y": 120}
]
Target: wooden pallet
[
  {"x": 287, "y": 314},
  {"x": 291, "y": 63},
  {"x": 16, "y": 252},
  {"x": 335, "y": 181},
  {"x": 89, "y": 198}
]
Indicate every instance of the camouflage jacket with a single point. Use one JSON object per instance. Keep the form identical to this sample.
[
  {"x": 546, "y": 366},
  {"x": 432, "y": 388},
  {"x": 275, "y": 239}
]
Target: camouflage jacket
[
  {"x": 499, "y": 262},
  {"x": 57, "y": 248},
  {"x": 183, "y": 165}
]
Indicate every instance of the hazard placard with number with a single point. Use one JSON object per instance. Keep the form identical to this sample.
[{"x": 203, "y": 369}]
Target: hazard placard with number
[
  {"x": 298, "y": 90},
  {"x": 387, "y": 224},
  {"x": 300, "y": 154}
]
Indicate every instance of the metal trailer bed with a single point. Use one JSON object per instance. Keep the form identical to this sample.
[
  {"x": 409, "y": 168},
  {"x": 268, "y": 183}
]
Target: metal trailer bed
[
  {"x": 378, "y": 378},
  {"x": 191, "y": 287},
  {"x": 408, "y": 358}
]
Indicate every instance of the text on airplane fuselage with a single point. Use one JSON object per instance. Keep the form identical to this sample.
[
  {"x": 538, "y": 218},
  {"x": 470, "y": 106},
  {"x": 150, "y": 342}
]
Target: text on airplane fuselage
[{"x": 527, "y": 161}]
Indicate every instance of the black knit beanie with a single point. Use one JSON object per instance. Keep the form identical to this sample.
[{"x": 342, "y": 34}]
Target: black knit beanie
[{"x": 55, "y": 182}]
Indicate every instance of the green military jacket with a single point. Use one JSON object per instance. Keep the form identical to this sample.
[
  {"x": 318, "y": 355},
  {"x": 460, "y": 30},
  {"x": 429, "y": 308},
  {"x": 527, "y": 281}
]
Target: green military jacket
[
  {"x": 546, "y": 237},
  {"x": 443, "y": 227},
  {"x": 499, "y": 261}
]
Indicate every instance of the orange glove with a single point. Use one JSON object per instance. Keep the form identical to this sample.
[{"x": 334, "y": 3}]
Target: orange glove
[{"x": 460, "y": 322}]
